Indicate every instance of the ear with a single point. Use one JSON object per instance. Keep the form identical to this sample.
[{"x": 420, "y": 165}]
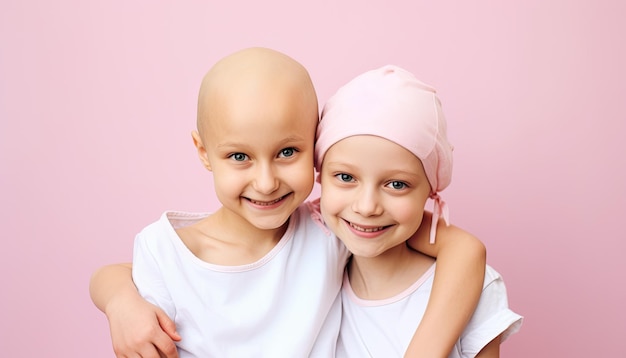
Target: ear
[{"x": 202, "y": 154}]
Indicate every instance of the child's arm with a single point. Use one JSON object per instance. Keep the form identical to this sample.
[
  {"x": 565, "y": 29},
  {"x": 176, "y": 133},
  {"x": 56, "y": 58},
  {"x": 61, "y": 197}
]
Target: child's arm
[
  {"x": 458, "y": 283},
  {"x": 137, "y": 327}
]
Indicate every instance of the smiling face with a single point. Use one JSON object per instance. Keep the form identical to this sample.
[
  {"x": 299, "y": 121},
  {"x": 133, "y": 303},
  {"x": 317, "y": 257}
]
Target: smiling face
[
  {"x": 373, "y": 193},
  {"x": 256, "y": 133}
]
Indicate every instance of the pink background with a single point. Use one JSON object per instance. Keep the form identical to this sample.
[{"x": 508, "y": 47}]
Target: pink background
[{"x": 97, "y": 100}]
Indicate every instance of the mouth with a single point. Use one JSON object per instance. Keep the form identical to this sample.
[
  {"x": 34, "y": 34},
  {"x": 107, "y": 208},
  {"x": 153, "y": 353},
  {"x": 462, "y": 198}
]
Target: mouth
[
  {"x": 366, "y": 229},
  {"x": 267, "y": 203}
]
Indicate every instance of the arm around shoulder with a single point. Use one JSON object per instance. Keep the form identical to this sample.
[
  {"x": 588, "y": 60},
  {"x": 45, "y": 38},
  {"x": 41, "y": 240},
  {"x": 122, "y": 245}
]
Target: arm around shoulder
[
  {"x": 138, "y": 328},
  {"x": 110, "y": 281},
  {"x": 458, "y": 283}
]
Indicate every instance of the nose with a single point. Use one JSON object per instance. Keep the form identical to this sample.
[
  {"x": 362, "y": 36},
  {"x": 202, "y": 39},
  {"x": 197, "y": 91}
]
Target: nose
[
  {"x": 265, "y": 180},
  {"x": 367, "y": 202}
]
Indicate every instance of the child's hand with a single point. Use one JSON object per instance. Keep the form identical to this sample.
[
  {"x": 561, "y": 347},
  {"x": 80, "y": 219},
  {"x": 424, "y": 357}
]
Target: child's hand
[{"x": 141, "y": 329}]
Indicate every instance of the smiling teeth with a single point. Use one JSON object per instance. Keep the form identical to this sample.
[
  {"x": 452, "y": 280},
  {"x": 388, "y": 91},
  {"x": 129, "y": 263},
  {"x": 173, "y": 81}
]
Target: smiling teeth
[
  {"x": 265, "y": 203},
  {"x": 371, "y": 229}
]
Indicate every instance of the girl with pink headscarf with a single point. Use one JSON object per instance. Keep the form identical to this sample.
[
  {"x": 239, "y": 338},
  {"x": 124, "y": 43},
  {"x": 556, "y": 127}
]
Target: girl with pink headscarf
[{"x": 382, "y": 152}]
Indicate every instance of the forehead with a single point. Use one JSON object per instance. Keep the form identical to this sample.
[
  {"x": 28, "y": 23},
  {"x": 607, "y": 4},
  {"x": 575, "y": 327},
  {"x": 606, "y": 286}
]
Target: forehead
[
  {"x": 259, "y": 119},
  {"x": 252, "y": 106},
  {"x": 369, "y": 152}
]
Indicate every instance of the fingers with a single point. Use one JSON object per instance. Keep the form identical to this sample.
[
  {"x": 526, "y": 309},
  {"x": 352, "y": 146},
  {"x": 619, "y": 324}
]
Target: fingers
[
  {"x": 166, "y": 347},
  {"x": 167, "y": 325},
  {"x": 141, "y": 330},
  {"x": 151, "y": 342},
  {"x": 148, "y": 351}
]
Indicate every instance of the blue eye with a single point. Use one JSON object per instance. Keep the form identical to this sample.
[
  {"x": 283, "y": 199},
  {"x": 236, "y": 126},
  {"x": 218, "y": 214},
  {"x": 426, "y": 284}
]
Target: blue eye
[
  {"x": 397, "y": 185},
  {"x": 344, "y": 177},
  {"x": 239, "y": 157},
  {"x": 287, "y": 152}
]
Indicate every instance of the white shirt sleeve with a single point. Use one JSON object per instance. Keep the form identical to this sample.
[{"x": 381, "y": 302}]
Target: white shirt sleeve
[
  {"x": 491, "y": 318},
  {"x": 148, "y": 274}
]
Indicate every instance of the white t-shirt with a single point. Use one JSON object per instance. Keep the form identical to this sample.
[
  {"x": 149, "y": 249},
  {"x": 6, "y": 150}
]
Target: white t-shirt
[
  {"x": 287, "y": 304},
  {"x": 384, "y": 328}
]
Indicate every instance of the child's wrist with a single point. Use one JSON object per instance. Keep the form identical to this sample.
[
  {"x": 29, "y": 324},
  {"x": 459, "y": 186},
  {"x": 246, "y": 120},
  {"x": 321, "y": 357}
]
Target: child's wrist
[{"x": 118, "y": 302}]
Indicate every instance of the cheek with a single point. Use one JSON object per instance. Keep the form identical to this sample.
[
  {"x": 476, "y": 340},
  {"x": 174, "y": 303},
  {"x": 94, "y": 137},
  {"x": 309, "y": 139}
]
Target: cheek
[
  {"x": 330, "y": 211},
  {"x": 224, "y": 188},
  {"x": 408, "y": 211},
  {"x": 307, "y": 176},
  {"x": 303, "y": 172},
  {"x": 227, "y": 180},
  {"x": 332, "y": 201}
]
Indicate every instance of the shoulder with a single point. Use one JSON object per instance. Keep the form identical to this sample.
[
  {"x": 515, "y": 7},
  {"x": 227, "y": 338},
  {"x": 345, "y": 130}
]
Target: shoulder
[
  {"x": 448, "y": 232},
  {"x": 175, "y": 220},
  {"x": 155, "y": 227},
  {"x": 451, "y": 230},
  {"x": 164, "y": 229},
  {"x": 310, "y": 225},
  {"x": 308, "y": 214}
]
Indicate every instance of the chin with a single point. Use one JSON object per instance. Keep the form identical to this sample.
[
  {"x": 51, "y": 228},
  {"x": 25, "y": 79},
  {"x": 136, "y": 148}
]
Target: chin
[
  {"x": 363, "y": 252},
  {"x": 271, "y": 225}
]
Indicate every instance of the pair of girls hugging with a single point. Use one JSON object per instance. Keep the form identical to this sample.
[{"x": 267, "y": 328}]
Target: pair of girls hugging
[{"x": 351, "y": 274}]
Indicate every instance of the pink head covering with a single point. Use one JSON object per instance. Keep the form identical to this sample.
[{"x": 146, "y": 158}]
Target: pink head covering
[{"x": 391, "y": 103}]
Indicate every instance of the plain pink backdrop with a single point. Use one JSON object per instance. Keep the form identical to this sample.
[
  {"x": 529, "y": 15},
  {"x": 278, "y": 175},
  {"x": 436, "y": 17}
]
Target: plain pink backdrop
[{"x": 97, "y": 102}]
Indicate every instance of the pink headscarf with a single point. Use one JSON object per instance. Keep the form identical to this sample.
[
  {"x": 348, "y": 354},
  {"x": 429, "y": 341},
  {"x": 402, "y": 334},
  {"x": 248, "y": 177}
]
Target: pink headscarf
[{"x": 391, "y": 103}]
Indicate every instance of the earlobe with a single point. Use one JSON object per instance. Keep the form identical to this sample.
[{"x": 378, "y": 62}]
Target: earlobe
[{"x": 202, "y": 154}]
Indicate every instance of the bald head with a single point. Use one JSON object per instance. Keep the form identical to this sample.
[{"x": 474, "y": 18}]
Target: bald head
[{"x": 243, "y": 77}]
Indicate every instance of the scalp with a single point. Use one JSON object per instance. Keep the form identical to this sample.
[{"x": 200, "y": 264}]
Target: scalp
[{"x": 251, "y": 71}]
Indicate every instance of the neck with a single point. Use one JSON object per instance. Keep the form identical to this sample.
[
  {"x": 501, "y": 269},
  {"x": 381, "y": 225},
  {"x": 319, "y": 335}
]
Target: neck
[
  {"x": 388, "y": 274},
  {"x": 229, "y": 240},
  {"x": 235, "y": 230}
]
